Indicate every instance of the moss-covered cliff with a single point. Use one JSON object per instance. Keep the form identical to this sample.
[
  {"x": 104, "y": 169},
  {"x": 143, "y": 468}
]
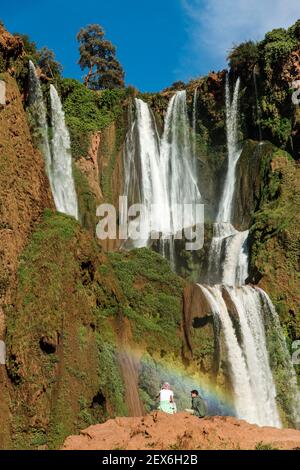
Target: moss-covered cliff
[
  {"x": 109, "y": 325},
  {"x": 65, "y": 331}
]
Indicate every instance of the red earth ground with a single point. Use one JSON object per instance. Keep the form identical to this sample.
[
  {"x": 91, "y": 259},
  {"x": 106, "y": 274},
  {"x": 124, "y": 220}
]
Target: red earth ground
[{"x": 160, "y": 431}]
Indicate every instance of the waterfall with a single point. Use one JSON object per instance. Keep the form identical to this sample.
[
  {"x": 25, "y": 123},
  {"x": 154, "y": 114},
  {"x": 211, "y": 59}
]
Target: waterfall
[
  {"x": 228, "y": 260},
  {"x": 64, "y": 192},
  {"x": 228, "y": 255},
  {"x": 153, "y": 182},
  {"x": 178, "y": 165},
  {"x": 39, "y": 115},
  {"x": 249, "y": 353},
  {"x": 234, "y": 152},
  {"x": 283, "y": 359},
  {"x": 244, "y": 400},
  {"x": 58, "y": 158},
  {"x": 251, "y": 376},
  {"x": 195, "y": 122},
  {"x": 248, "y": 305},
  {"x": 160, "y": 173}
]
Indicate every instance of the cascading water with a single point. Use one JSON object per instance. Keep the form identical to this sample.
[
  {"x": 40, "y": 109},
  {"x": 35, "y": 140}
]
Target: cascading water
[
  {"x": 249, "y": 360},
  {"x": 39, "y": 114},
  {"x": 244, "y": 400},
  {"x": 283, "y": 359},
  {"x": 251, "y": 320},
  {"x": 178, "y": 164},
  {"x": 58, "y": 158},
  {"x": 64, "y": 192},
  {"x": 249, "y": 365},
  {"x": 195, "y": 122},
  {"x": 228, "y": 253},
  {"x": 234, "y": 152},
  {"x": 159, "y": 173}
]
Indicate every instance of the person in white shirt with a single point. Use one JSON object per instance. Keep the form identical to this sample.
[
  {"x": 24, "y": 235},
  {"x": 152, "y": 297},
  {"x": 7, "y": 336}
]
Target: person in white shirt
[{"x": 166, "y": 399}]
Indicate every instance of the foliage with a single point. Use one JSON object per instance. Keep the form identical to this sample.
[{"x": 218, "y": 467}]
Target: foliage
[
  {"x": 244, "y": 56},
  {"x": 276, "y": 46},
  {"x": 275, "y": 242},
  {"x": 88, "y": 111},
  {"x": 86, "y": 200},
  {"x": 98, "y": 55},
  {"x": 48, "y": 64},
  {"x": 264, "y": 446},
  {"x": 110, "y": 381},
  {"x": 267, "y": 69},
  {"x": 29, "y": 45},
  {"x": 154, "y": 295}
]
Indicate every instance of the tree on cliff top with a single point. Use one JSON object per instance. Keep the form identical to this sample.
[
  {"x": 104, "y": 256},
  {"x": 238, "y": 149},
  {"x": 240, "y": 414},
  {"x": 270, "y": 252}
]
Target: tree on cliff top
[
  {"x": 98, "y": 56},
  {"x": 47, "y": 63}
]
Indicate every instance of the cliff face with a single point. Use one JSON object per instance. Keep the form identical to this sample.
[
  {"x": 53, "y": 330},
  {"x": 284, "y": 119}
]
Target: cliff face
[
  {"x": 112, "y": 326},
  {"x": 87, "y": 323},
  {"x": 276, "y": 238},
  {"x": 24, "y": 194},
  {"x": 24, "y": 189}
]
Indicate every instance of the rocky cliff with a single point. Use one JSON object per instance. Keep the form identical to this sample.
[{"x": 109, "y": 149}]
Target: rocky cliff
[
  {"x": 24, "y": 194},
  {"x": 111, "y": 325}
]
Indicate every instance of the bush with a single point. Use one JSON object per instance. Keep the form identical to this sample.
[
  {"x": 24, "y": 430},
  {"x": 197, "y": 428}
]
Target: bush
[
  {"x": 88, "y": 111},
  {"x": 244, "y": 56}
]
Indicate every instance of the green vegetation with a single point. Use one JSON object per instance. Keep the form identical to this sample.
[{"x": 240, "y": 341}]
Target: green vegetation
[
  {"x": 86, "y": 200},
  {"x": 151, "y": 288},
  {"x": 111, "y": 384},
  {"x": 275, "y": 244},
  {"x": 61, "y": 332},
  {"x": 98, "y": 55},
  {"x": 262, "y": 446},
  {"x": 272, "y": 64},
  {"x": 88, "y": 111}
]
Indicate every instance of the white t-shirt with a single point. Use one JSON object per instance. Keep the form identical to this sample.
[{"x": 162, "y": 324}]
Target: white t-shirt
[{"x": 165, "y": 395}]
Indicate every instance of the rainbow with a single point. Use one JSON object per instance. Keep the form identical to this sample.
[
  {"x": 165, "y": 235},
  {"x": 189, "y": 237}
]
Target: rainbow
[{"x": 183, "y": 380}]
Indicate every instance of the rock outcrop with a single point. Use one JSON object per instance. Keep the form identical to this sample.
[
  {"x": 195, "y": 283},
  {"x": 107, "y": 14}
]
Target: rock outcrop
[
  {"x": 159, "y": 431},
  {"x": 11, "y": 47}
]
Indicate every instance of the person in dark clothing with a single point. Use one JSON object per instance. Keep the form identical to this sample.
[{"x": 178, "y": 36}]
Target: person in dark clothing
[{"x": 198, "y": 405}]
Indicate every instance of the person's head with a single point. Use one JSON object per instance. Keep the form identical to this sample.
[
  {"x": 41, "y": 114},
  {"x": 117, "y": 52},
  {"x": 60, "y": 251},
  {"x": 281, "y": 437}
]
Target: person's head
[
  {"x": 166, "y": 386},
  {"x": 194, "y": 393}
]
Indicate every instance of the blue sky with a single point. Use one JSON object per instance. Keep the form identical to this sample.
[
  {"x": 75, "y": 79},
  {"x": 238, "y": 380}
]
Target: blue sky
[{"x": 158, "y": 41}]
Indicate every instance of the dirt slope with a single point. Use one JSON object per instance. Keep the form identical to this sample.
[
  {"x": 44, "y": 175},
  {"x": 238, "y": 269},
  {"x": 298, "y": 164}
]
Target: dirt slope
[{"x": 182, "y": 431}]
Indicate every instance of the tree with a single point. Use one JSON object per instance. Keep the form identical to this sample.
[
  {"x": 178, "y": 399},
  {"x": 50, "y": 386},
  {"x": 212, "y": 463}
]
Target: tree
[
  {"x": 244, "y": 56},
  {"x": 47, "y": 63},
  {"x": 29, "y": 46},
  {"x": 98, "y": 56}
]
